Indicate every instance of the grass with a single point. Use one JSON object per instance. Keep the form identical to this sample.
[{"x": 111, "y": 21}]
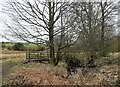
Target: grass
[
  {"x": 6, "y": 51},
  {"x": 13, "y": 56},
  {"x": 7, "y": 66},
  {"x": 9, "y": 60},
  {"x": 20, "y": 55},
  {"x": 18, "y": 71},
  {"x": 33, "y": 72}
]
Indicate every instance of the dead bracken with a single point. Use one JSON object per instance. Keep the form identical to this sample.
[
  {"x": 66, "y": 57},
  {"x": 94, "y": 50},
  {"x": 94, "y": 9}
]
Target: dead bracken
[{"x": 50, "y": 75}]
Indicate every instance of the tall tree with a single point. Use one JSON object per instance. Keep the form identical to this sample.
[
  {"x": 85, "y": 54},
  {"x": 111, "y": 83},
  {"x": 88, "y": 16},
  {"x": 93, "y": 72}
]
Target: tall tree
[
  {"x": 35, "y": 22},
  {"x": 39, "y": 22},
  {"x": 68, "y": 32},
  {"x": 95, "y": 23},
  {"x": 107, "y": 11}
]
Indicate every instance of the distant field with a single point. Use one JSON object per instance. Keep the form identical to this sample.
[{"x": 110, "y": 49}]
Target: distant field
[
  {"x": 12, "y": 52},
  {"x": 10, "y": 55}
]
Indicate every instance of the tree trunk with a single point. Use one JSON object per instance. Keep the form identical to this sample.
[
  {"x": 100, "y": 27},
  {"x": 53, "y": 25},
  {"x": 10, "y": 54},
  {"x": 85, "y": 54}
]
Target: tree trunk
[
  {"x": 61, "y": 39},
  {"x": 91, "y": 34},
  {"x": 52, "y": 54},
  {"x": 57, "y": 57},
  {"x": 51, "y": 36},
  {"x": 102, "y": 43}
]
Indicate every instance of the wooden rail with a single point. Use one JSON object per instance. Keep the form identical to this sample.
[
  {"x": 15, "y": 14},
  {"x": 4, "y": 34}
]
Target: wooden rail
[
  {"x": 42, "y": 56},
  {"x": 37, "y": 56}
]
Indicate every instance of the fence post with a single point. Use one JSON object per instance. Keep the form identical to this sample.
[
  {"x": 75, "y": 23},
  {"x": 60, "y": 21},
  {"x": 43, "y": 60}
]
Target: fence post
[
  {"x": 26, "y": 55},
  {"x": 38, "y": 55},
  {"x": 29, "y": 55},
  {"x": 74, "y": 54},
  {"x": 47, "y": 54}
]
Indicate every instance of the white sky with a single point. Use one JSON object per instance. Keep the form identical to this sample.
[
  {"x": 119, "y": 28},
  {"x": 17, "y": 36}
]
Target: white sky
[{"x": 5, "y": 17}]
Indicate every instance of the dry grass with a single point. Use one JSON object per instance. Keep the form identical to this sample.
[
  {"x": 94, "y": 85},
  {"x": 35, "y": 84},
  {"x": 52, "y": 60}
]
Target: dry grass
[
  {"x": 5, "y": 51},
  {"x": 40, "y": 74},
  {"x": 9, "y": 55},
  {"x": 45, "y": 74}
]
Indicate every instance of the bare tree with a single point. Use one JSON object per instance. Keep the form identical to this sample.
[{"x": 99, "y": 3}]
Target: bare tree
[
  {"x": 35, "y": 22},
  {"x": 85, "y": 15},
  {"x": 43, "y": 22},
  {"x": 108, "y": 10},
  {"x": 40, "y": 22},
  {"x": 93, "y": 19},
  {"x": 68, "y": 32}
]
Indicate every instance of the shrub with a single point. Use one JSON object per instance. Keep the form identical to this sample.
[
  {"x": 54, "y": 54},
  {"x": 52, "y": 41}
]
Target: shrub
[
  {"x": 34, "y": 47},
  {"x": 9, "y": 46},
  {"x": 70, "y": 59},
  {"x": 18, "y": 46},
  {"x": 41, "y": 47},
  {"x": 31, "y": 47}
]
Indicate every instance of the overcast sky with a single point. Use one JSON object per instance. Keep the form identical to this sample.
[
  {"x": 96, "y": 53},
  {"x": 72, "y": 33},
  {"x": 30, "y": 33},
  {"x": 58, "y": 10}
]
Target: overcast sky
[{"x": 5, "y": 17}]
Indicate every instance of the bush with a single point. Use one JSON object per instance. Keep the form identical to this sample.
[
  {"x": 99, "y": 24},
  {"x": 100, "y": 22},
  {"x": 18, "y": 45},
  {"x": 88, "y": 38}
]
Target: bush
[
  {"x": 110, "y": 60},
  {"x": 91, "y": 62},
  {"x": 31, "y": 47},
  {"x": 34, "y": 47},
  {"x": 2, "y": 44},
  {"x": 23, "y": 46},
  {"x": 18, "y": 46},
  {"x": 41, "y": 47},
  {"x": 72, "y": 64},
  {"x": 70, "y": 59},
  {"x": 9, "y": 46}
]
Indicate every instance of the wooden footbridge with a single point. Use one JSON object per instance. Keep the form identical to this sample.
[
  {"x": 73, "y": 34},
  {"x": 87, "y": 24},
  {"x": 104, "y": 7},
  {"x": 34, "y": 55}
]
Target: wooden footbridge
[
  {"x": 40, "y": 56},
  {"x": 37, "y": 56}
]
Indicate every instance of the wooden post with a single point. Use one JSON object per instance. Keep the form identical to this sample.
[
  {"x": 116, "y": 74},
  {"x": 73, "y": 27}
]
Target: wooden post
[
  {"x": 29, "y": 55},
  {"x": 26, "y": 55},
  {"x": 38, "y": 55},
  {"x": 74, "y": 54}
]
